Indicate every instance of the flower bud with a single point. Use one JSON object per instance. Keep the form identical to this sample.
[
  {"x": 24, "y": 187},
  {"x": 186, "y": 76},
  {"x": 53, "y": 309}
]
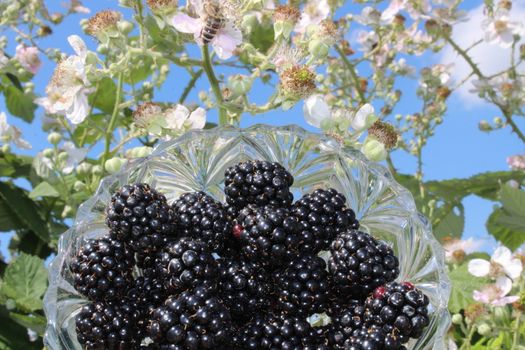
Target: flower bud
[
  {"x": 457, "y": 319},
  {"x": 139, "y": 152},
  {"x": 54, "y": 138},
  {"x": 374, "y": 150},
  {"x": 48, "y": 153},
  {"x": 84, "y": 169},
  {"x": 125, "y": 27},
  {"x": 484, "y": 126},
  {"x": 484, "y": 329},
  {"x": 68, "y": 211},
  {"x": 297, "y": 82},
  {"x": 63, "y": 156},
  {"x": 97, "y": 170},
  {"x": 318, "y": 48},
  {"x": 239, "y": 84},
  {"x": 79, "y": 186},
  {"x": 113, "y": 165},
  {"x": 285, "y": 18},
  {"x": 103, "y": 49},
  {"x": 6, "y": 148}
]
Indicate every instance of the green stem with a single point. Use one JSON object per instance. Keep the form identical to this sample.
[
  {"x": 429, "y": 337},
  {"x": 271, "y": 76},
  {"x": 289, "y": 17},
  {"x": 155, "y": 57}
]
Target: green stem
[
  {"x": 191, "y": 84},
  {"x": 516, "y": 339},
  {"x": 113, "y": 120},
  {"x": 208, "y": 69},
  {"x": 513, "y": 126},
  {"x": 465, "y": 56},
  {"x": 355, "y": 78},
  {"x": 466, "y": 343}
]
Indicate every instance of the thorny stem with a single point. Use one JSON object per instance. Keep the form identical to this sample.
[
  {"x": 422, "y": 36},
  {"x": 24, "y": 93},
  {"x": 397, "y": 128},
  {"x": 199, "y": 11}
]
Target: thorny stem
[
  {"x": 351, "y": 69},
  {"x": 208, "y": 69},
  {"x": 191, "y": 84},
  {"x": 113, "y": 120}
]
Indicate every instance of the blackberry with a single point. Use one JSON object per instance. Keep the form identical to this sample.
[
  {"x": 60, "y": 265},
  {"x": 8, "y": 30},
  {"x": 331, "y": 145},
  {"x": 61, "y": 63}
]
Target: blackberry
[
  {"x": 258, "y": 182},
  {"x": 401, "y": 310},
  {"x": 360, "y": 263},
  {"x": 108, "y": 326},
  {"x": 267, "y": 234},
  {"x": 146, "y": 294},
  {"x": 185, "y": 264},
  {"x": 200, "y": 216},
  {"x": 322, "y": 215},
  {"x": 193, "y": 320},
  {"x": 102, "y": 268},
  {"x": 139, "y": 216},
  {"x": 278, "y": 332},
  {"x": 303, "y": 286},
  {"x": 245, "y": 288}
]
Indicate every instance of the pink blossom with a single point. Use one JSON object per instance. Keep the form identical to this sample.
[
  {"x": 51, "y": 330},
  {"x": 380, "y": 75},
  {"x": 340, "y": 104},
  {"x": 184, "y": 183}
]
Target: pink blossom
[
  {"x": 458, "y": 247},
  {"x": 28, "y": 58},
  {"x": 226, "y": 40},
  {"x": 516, "y": 162},
  {"x": 314, "y": 12},
  {"x": 496, "y": 294}
]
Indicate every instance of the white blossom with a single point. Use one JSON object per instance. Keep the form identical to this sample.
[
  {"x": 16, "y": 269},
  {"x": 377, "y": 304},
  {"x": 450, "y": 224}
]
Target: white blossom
[
  {"x": 500, "y": 30},
  {"x": 501, "y": 263},
  {"x": 28, "y": 58},
  {"x": 496, "y": 294},
  {"x": 316, "y": 110},
  {"x": 363, "y": 118},
  {"x": 313, "y": 13},
  {"x": 3, "y": 60},
  {"x": 516, "y": 162},
  {"x": 179, "y": 118},
  {"x": 10, "y": 133},
  {"x": 74, "y": 156}
]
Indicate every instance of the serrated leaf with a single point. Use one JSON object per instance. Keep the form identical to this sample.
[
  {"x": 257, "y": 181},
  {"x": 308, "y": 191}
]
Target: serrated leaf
[
  {"x": 36, "y": 323},
  {"x": 24, "y": 209},
  {"x": 25, "y": 281},
  {"x": 463, "y": 285},
  {"x": 513, "y": 200},
  {"x": 8, "y": 220},
  {"x": 19, "y": 104},
  {"x": 507, "y": 228},
  {"x": 43, "y": 189},
  {"x": 104, "y": 97},
  {"x": 451, "y": 225}
]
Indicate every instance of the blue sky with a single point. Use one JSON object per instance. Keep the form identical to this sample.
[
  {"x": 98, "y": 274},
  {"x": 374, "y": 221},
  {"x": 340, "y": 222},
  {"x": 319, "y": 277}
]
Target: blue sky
[{"x": 458, "y": 150}]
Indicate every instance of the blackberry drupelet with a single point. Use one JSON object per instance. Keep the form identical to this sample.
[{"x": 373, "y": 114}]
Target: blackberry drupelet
[
  {"x": 108, "y": 326},
  {"x": 303, "y": 286},
  {"x": 185, "y": 264},
  {"x": 245, "y": 287},
  {"x": 140, "y": 216},
  {"x": 401, "y": 310},
  {"x": 360, "y": 263},
  {"x": 322, "y": 215},
  {"x": 146, "y": 294},
  {"x": 193, "y": 320},
  {"x": 266, "y": 234},
  {"x": 258, "y": 182},
  {"x": 200, "y": 216},
  {"x": 278, "y": 332},
  {"x": 102, "y": 268}
]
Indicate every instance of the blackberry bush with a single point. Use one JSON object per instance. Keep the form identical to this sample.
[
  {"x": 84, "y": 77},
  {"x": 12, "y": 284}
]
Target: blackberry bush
[
  {"x": 303, "y": 286},
  {"x": 140, "y": 216},
  {"x": 258, "y": 182},
  {"x": 193, "y": 320},
  {"x": 185, "y": 264},
  {"x": 102, "y": 269},
  {"x": 202, "y": 217},
  {"x": 359, "y": 263},
  {"x": 322, "y": 215}
]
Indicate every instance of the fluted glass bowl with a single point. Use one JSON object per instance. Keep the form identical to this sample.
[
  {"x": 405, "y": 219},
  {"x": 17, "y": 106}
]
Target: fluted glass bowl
[{"x": 196, "y": 162}]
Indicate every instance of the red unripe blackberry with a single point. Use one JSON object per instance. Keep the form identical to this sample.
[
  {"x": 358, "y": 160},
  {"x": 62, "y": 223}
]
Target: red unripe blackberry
[
  {"x": 202, "y": 217},
  {"x": 192, "y": 320},
  {"x": 360, "y": 263},
  {"x": 322, "y": 215},
  {"x": 258, "y": 182},
  {"x": 140, "y": 216},
  {"x": 102, "y": 269},
  {"x": 185, "y": 264}
]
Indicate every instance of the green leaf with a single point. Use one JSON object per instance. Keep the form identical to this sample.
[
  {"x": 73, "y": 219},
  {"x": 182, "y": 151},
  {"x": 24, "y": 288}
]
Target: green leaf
[
  {"x": 141, "y": 70},
  {"x": 89, "y": 133},
  {"x": 25, "y": 281},
  {"x": 14, "y": 336},
  {"x": 8, "y": 220},
  {"x": 451, "y": 226},
  {"x": 43, "y": 189},
  {"x": 463, "y": 285},
  {"x": 104, "y": 97},
  {"x": 507, "y": 228},
  {"x": 15, "y": 166},
  {"x": 24, "y": 209},
  {"x": 513, "y": 200},
  {"x": 19, "y": 104},
  {"x": 34, "y": 322}
]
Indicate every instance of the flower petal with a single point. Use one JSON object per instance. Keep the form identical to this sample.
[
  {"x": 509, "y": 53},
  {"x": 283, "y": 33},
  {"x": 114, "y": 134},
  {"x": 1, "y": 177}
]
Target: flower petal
[
  {"x": 186, "y": 24},
  {"x": 502, "y": 255},
  {"x": 79, "y": 110},
  {"x": 480, "y": 296},
  {"x": 363, "y": 117},
  {"x": 78, "y": 45},
  {"x": 513, "y": 268},
  {"x": 504, "y": 285},
  {"x": 226, "y": 41},
  {"x": 197, "y": 119},
  {"x": 176, "y": 117},
  {"x": 316, "y": 110},
  {"x": 479, "y": 267}
]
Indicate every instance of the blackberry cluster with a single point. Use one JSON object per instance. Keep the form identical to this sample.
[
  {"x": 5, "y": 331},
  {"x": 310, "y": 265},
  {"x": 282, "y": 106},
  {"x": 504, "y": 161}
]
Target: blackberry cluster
[
  {"x": 257, "y": 272},
  {"x": 322, "y": 215},
  {"x": 360, "y": 263},
  {"x": 304, "y": 286},
  {"x": 139, "y": 216},
  {"x": 258, "y": 182},
  {"x": 108, "y": 326},
  {"x": 193, "y": 320},
  {"x": 201, "y": 217},
  {"x": 102, "y": 269},
  {"x": 186, "y": 264}
]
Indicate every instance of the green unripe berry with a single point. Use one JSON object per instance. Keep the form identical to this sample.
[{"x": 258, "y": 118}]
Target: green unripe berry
[
  {"x": 54, "y": 138},
  {"x": 457, "y": 319}
]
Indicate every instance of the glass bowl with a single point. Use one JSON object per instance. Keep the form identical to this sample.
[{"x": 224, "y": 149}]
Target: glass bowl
[{"x": 196, "y": 162}]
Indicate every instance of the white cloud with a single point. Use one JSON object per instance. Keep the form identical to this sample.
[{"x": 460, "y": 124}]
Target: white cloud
[{"x": 490, "y": 58}]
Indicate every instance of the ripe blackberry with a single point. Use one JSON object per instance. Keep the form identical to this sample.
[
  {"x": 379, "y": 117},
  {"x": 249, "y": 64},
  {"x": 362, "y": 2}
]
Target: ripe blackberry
[
  {"x": 258, "y": 182},
  {"x": 322, "y": 215},
  {"x": 193, "y": 320},
  {"x": 401, "y": 310},
  {"x": 278, "y": 332},
  {"x": 146, "y": 294},
  {"x": 102, "y": 269},
  {"x": 303, "y": 286},
  {"x": 266, "y": 234},
  {"x": 108, "y": 326},
  {"x": 245, "y": 287},
  {"x": 361, "y": 263},
  {"x": 139, "y": 216},
  {"x": 200, "y": 216},
  {"x": 185, "y": 264}
]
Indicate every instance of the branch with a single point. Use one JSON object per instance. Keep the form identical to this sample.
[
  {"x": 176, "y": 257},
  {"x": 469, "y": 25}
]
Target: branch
[{"x": 354, "y": 76}]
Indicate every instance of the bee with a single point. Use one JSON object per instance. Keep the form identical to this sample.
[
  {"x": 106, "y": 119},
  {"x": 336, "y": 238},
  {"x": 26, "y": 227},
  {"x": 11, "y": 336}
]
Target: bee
[{"x": 214, "y": 20}]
